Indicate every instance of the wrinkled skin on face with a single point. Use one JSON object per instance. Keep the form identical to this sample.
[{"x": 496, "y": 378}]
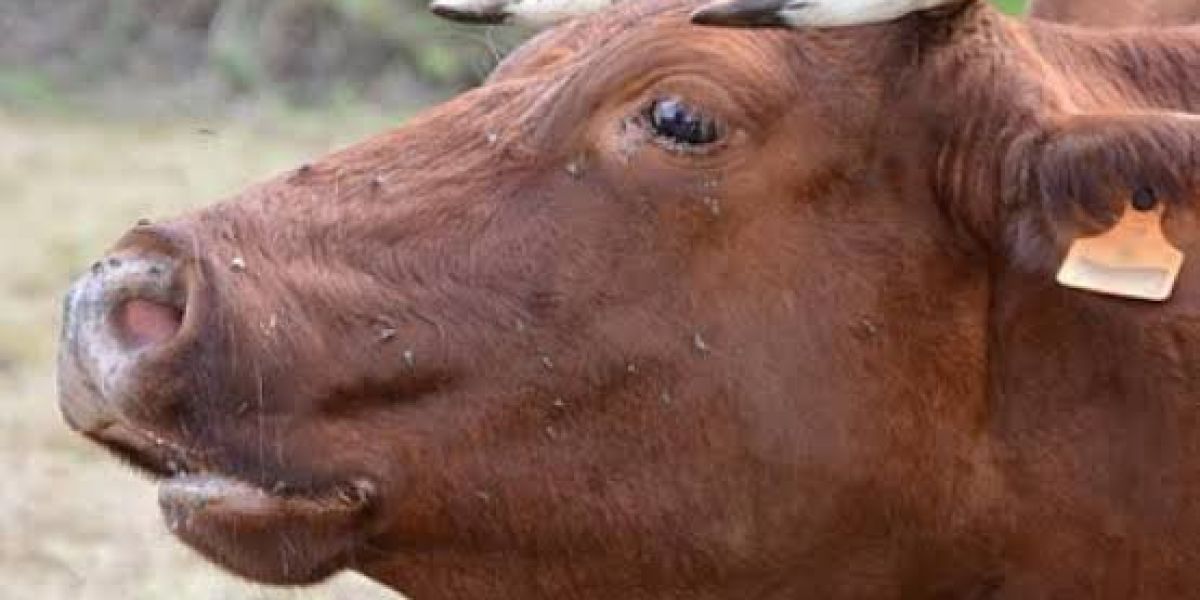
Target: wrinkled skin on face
[{"x": 528, "y": 346}]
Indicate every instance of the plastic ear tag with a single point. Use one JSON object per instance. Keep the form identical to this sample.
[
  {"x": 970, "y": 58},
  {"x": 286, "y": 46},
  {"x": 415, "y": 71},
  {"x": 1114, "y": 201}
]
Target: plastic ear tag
[{"x": 1131, "y": 260}]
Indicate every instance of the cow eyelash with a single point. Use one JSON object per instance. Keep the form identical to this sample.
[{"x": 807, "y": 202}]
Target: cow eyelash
[{"x": 677, "y": 123}]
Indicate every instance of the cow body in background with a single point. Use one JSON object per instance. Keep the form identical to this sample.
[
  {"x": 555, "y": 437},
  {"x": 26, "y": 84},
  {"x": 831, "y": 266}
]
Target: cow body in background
[
  {"x": 667, "y": 311},
  {"x": 1117, "y": 13}
]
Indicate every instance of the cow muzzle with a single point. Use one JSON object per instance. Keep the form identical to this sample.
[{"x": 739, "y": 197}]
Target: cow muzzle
[
  {"x": 129, "y": 361},
  {"x": 121, "y": 318}
]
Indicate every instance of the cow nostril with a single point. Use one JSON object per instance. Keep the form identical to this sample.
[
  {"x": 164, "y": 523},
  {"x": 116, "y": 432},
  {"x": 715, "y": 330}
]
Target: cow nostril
[
  {"x": 143, "y": 323},
  {"x": 141, "y": 301},
  {"x": 123, "y": 322}
]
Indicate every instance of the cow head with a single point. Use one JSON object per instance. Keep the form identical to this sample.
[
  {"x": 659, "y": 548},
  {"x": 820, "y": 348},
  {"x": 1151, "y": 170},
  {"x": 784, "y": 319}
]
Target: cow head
[{"x": 665, "y": 310}]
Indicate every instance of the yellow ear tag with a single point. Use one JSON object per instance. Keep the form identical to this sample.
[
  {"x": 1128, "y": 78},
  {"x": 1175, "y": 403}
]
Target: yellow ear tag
[{"x": 1131, "y": 260}]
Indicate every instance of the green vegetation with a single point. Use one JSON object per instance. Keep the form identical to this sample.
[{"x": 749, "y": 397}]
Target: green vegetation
[
  {"x": 26, "y": 89},
  {"x": 198, "y": 57},
  {"x": 1012, "y": 6}
]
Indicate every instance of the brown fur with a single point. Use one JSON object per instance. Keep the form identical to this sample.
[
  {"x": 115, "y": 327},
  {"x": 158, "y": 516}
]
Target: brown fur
[
  {"x": 1117, "y": 13},
  {"x": 567, "y": 376}
]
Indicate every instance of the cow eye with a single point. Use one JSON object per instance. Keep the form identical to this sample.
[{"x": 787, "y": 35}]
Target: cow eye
[{"x": 676, "y": 122}]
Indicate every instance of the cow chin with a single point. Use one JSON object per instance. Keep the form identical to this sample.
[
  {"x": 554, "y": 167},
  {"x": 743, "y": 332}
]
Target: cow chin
[
  {"x": 270, "y": 536},
  {"x": 280, "y": 533}
]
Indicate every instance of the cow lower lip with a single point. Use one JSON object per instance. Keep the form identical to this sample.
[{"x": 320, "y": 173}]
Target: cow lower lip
[
  {"x": 273, "y": 536},
  {"x": 152, "y": 454},
  {"x": 190, "y": 487},
  {"x": 191, "y": 495},
  {"x": 171, "y": 464}
]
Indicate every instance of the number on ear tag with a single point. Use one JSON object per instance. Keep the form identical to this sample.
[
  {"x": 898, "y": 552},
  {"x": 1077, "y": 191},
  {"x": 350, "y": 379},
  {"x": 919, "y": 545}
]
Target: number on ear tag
[{"x": 1131, "y": 260}]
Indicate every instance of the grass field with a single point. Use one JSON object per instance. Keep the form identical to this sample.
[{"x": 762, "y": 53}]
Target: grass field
[{"x": 73, "y": 523}]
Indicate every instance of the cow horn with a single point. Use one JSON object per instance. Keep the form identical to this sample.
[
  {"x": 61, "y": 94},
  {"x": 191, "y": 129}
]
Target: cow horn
[
  {"x": 530, "y": 13},
  {"x": 810, "y": 13}
]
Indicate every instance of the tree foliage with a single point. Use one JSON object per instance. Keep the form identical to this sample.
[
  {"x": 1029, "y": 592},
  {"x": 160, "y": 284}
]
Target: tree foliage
[{"x": 207, "y": 52}]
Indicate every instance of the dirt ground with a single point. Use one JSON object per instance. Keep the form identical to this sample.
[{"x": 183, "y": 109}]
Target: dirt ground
[{"x": 74, "y": 524}]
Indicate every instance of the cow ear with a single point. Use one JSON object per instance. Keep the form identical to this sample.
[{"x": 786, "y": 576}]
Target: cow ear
[
  {"x": 812, "y": 13},
  {"x": 1078, "y": 176},
  {"x": 536, "y": 14}
]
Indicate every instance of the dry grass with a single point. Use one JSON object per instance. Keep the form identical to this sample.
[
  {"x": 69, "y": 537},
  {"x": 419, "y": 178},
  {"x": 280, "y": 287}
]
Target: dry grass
[{"x": 73, "y": 524}]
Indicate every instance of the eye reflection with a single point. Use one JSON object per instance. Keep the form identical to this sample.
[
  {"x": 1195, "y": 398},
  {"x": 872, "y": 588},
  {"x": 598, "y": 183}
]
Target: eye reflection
[{"x": 675, "y": 121}]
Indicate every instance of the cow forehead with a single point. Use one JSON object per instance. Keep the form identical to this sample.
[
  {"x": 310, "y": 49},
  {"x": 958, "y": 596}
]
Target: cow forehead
[
  {"x": 731, "y": 76},
  {"x": 598, "y": 57},
  {"x": 592, "y": 36},
  {"x": 571, "y": 39}
]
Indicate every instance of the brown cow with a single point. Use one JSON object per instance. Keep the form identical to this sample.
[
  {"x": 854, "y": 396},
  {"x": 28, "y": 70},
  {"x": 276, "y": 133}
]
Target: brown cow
[
  {"x": 1117, "y": 13},
  {"x": 665, "y": 311}
]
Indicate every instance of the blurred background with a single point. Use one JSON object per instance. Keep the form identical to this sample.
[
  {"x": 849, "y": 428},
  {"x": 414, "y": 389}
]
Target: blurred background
[{"x": 113, "y": 110}]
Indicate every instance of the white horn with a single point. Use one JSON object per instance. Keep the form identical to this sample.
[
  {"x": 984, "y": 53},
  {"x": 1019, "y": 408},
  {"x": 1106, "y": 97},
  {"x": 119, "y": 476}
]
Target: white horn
[
  {"x": 530, "y": 13},
  {"x": 810, "y": 13}
]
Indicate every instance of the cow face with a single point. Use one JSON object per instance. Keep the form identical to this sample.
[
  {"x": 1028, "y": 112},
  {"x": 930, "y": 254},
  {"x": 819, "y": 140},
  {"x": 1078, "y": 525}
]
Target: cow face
[{"x": 659, "y": 310}]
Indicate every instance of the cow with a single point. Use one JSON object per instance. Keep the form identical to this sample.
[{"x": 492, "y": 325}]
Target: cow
[
  {"x": 1117, "y": 13},
  {"x": 665, "y": 310}
]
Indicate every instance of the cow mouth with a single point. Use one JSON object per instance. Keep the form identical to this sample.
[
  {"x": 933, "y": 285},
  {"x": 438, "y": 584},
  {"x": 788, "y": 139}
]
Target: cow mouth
[{"x": 280, "y": 533}]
